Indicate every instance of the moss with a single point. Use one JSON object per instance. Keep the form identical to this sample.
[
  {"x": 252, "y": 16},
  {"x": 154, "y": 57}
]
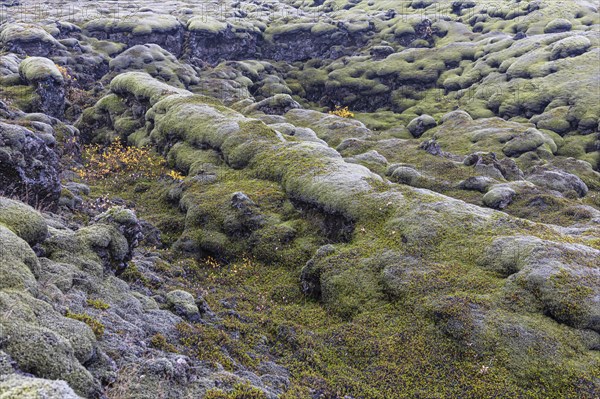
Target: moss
[
  {"x": 558, "y": 25},
  {"x": 23, "y": 97},
  {"x": 38, "y": 345},
  {"x": 98, "y": 304},
  {"x": 359, "y": 325},
  {"x": 240, "y": 391},
  {"x": 133, "y": 275},
  {"x": 157, "y": 62},
  {"x": 35, "y": 69},
  {"x": 143, "y": 87},
  {"x": 107, "y": 47},
  {"x": 96, "y": 326},
  {"x": 570, "y": 47},
  {"x": 142, "y": 23},
  {"x": 206, "y": 25},
  {"x": 18, "y": 262},
  {"x": 159, "y": 341},
  {"x": 26, "y": 33},
  {"x": 15, "y": 386},
  {"x": 23, "y": 220},
  {"x": 527, "y": 141}
]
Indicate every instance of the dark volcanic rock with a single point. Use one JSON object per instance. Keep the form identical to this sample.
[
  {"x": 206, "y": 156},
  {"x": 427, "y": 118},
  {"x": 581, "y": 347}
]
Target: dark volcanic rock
[
  {"x": 29, "y": 169},
  {"x": 298, "y": 42},
  {"x": 213, "y": 41},
  {"x": 143, "y": 28},
  {"x": 48, "y": 81}
]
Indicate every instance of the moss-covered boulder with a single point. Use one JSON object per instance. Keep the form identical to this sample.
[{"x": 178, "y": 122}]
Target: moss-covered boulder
[
  {"x": 141, "y": 28},
  {"x": 529, "y": 140},
  {"x": 157, "y": 62},
  {"x": 279, "y": 104},
  {"x": 558, "y": 25},
  {"x": 183, "y": 304},
  {"x": 48, "y": 81},
  {"x": 16, "y": 386},
  {"x": 558, "y": 180},
  {"x": 562, "y": 278},
  {"x": 420, "y": 125},
  {"x": 23, "y": 220},
  {"x": 18, "y": 262},
  {"x": 212, "y": 40},
  {"x": 27, "y": 39}
]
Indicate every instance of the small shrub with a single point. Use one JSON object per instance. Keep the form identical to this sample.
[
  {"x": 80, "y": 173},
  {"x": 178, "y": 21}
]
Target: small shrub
[
  {"x": 175, "y": 175},
  {"x": 123, "y": 164},
  {"x": 342, "y": 112}
]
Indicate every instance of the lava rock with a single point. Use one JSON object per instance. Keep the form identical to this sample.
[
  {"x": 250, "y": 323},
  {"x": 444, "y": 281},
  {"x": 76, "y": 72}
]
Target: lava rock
[
  {"x": 29, "y": 169},
  {"x": 420, "y": 125}
]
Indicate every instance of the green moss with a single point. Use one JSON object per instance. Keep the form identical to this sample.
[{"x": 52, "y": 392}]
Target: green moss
[
  {"x": 18, "y": 262},
  {"x": 159, "y": 341},
  {"x": 133, "y": 275},
  {"x": 96, "y": 326},
  {"x": 23, "y": 97},
  {"x": 26, "y": 33},
  {"x": 141, "y": 23},
  {"x": 240, "y": 391},
  {"x": 143, "y": 87},
  {"x": 23, "y": 220},
  {"x": 206, "y": 25},
  {"x": 361, "y": 323},
  {"x": 98, "y": 304},
  {"x": 35, "y": 69}
]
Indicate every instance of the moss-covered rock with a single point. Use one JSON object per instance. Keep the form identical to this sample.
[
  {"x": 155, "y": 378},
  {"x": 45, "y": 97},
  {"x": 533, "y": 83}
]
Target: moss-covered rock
[
  {"x": 27, "y": 39},
  {"x": 571, "y": 46},
  {"x": 558, "y": 25},
  {"x": 157, "y": 62},
  {"x": 29, "y": 167},
  {"x": 499, "y": 197},
  {"x": 529, "y": 140},
  {"x": 558, "y": 180},
  {"x": 35, "y": 69},
  {"x": 420, "y": 125},
  {"x": 48, "y": 81},
  {"x": 140, "y": 28},
  {"x": 23, "y": 220},
  {"x": 16, "y": 386},
  {"x": 143, "y": 87},
  {"x": 18, "y": 262},
  {"x": 183, "y": 304}
]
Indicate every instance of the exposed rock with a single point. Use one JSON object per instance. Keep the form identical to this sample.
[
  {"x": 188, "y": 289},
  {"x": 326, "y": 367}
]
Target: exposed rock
[
  {"x": 44, "y": 75},
  {"x": 381, "y": 52},
  {"x": 27, "y": 39},
  {"x": 558, "y": 180},
  {"x": 499, "y": 196},
  {"x": 420, "y": 125},
  {"x": 477, "y": 183},
  {"x": 558, "y": 25},
  {"x": 29, "y": 169},
  {"x": 183, "y": 304},
  {"x": 279, "y": 104},
  {"x": 140, "y": 28}
]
